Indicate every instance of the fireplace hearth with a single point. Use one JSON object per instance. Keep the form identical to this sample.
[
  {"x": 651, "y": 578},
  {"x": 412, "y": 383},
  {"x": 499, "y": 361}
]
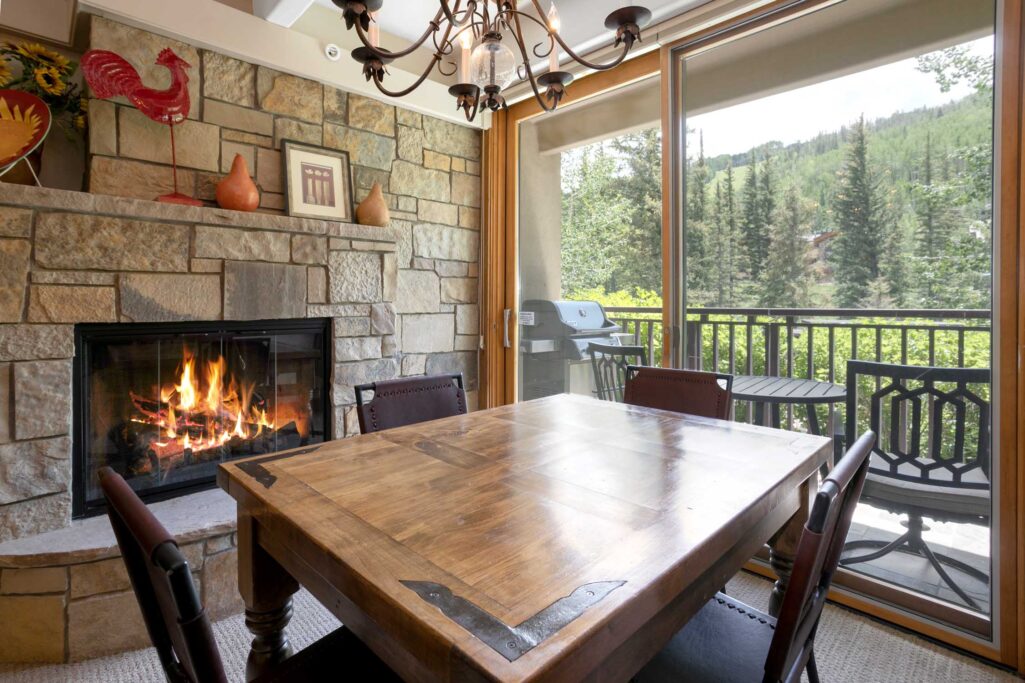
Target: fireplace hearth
[{"x": 164, "y": 404}]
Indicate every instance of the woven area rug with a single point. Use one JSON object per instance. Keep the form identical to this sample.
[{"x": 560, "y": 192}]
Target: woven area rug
[{"x": 849, "y": 647}]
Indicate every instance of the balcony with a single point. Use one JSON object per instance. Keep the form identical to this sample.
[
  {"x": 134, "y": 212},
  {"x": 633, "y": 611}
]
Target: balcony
[{"x": 816, "y": 344}]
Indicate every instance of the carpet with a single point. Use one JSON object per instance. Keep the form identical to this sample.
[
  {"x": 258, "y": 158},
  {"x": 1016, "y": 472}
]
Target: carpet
[{"x": 848, "y": 647}]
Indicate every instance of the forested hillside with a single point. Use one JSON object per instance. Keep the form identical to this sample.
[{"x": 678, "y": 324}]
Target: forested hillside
[{"x": 893, "y": 212}]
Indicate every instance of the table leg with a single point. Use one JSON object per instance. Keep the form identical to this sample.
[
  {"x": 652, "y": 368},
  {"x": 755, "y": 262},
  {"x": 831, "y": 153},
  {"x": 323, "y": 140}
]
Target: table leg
[
  {"x": 776, "y": 421},
  {"x": 783, "y": 548},
  {"x": 267, "y": 589},
  {"x": 813, "y": 420}
]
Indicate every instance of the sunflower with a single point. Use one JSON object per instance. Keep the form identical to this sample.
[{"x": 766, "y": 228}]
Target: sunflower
[
  {"x": 5, "y": 73},
  {"x": 44, "y": 56},
  {"x": 78, "y": 121},
  {"x": 49, "y": 80}
]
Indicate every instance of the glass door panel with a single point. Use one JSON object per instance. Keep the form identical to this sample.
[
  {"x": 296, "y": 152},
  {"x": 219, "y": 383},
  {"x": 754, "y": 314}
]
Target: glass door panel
[
  {"x": 837, "y": 206},
  {"x": 590, "y": 241}
]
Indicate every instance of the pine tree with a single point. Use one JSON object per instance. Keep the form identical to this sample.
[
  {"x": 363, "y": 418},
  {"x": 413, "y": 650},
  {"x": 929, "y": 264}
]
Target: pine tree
[
  {"x": 858, "y": 210},
  {"x": 894, "y": 265},
  {"x": 751, "y": 226},
  {"x": 935, "y": 227},
  {"x": 733, "y": 240},
  {"x": 785, "y": 282}
]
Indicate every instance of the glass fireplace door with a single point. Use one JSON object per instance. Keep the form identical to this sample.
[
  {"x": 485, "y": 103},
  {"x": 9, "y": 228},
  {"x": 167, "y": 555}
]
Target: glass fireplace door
[{"x": 165, "y": 408}]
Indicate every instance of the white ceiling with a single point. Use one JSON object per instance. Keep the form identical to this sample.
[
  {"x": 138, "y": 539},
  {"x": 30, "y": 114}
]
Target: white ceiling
[{"x": 583, "y": 21}]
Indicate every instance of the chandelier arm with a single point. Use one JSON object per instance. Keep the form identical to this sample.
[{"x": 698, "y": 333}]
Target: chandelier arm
[
  {"x": 577, "y": 58},
  {"x": 419, "y": 81},
  {"x": 518, "y": 36},
  {"x": 413, "y": 47},
  {"x": 435, "y": 60}
]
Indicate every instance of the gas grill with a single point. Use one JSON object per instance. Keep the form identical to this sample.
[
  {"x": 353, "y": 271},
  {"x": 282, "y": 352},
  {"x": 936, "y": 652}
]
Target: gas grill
[{"x": 554, "y": 336}]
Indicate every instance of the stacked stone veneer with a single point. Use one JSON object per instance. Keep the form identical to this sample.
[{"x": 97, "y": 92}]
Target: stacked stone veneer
[
  {"x": 71, "y": 257},
  {"x": 82, "y": 605},
  {"x": 429, "y": 169}
]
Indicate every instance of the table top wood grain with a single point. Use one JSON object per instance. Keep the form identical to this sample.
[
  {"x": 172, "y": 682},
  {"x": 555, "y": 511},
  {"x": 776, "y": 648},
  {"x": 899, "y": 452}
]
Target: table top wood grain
[{"x": 527, "y": 542}]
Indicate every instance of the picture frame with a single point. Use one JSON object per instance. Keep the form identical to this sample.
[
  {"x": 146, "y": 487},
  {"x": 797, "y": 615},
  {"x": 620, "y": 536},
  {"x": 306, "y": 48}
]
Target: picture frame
[{"x": 317, "y": 182}]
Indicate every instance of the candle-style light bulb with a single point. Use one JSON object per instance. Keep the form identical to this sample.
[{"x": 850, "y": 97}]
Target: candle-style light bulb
[
  {"x": 465, "y": 42},
  {"x": 553, "y": 26},
  {"x": 375, "y": 31}
]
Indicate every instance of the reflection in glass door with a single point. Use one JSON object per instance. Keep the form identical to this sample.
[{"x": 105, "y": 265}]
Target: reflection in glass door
[
  {"x": 590, "y": 252},
  {"x": 837, "y": 212}
]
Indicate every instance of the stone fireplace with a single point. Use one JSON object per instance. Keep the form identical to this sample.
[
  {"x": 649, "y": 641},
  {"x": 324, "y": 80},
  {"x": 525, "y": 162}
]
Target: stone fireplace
[{"x": 164, "y": 404}]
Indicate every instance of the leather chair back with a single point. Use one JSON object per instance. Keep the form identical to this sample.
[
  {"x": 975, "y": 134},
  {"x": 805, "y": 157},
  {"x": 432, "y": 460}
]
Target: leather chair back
[
  {"x": 410, "y": 400},
  {"x": 177, "y": 624},
  {"x": 609, "y": 364},
  {"x": 818, "y": 553},
  {"x": 707, "y": 394}
]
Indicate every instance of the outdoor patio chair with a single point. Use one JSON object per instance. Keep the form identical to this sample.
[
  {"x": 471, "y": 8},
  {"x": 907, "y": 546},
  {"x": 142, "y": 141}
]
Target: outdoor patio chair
[
  {"x": 609, "y": 363},
  {"x": 174, "y": 617},
  {"x": 932, "y": 459},
  {"x": 400, "y": 402},
  {"x": 730, "y": 642},
  {"x": 706, "y": 394}
]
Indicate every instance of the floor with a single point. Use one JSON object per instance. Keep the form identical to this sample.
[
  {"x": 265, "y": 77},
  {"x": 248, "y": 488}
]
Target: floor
[{"x": 849, "y": 648}]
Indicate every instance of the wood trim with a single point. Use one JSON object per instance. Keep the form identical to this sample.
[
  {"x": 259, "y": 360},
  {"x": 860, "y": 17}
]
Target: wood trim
[
  {"x": 1010, "y": 316},
  {"x": 493, "y": 257}
]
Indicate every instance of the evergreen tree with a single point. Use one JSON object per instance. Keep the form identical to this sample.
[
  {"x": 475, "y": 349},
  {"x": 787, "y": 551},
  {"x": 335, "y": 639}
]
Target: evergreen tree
[
  {"x": 895, "y": 268},
  {"x": 752, "y": 229},
  {"x": 732, "y": 237},
  {"x": 935, "y": 225},
  {"x": 858, "y": 211},
  {"x": 785, "y": 281},
  {"x": 700, "y": 274},
  {"x": 639, "y": 175}
]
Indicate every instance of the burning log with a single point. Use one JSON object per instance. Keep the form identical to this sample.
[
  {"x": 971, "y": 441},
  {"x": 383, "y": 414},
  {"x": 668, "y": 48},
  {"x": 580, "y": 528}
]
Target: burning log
[{"x": 142, "y": 449}]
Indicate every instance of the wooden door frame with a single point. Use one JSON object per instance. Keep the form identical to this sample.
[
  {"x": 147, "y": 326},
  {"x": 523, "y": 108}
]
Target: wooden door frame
[{"x": 500, "y": 267}]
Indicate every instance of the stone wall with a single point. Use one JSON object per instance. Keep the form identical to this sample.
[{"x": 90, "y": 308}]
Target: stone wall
[
  {"x": 429, "y": 169},
  {"x": 70, "y": 257}
]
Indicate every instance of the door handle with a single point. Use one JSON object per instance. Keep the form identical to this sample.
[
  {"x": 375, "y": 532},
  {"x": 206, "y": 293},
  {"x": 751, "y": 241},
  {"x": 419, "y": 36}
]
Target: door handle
[{"x": 505, "y": 328}]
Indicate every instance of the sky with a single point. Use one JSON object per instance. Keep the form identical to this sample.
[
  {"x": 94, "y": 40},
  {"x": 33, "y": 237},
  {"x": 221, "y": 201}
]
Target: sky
[{"x": 824, "y": 107}]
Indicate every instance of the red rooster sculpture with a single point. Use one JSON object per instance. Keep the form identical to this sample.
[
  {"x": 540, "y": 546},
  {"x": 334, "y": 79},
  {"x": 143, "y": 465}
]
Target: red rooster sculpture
[{"x": 109, "y": 75}]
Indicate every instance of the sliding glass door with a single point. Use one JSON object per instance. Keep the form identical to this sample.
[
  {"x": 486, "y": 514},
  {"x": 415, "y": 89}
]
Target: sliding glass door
[{"x": 833, "y": 222}]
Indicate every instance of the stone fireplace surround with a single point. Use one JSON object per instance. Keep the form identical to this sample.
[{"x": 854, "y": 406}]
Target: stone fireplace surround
[{"x": 69, "y": 257}]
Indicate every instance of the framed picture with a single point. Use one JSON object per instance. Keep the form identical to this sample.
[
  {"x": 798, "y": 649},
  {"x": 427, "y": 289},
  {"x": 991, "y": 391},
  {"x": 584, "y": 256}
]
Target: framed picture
[{"x": 318, "y": 182}]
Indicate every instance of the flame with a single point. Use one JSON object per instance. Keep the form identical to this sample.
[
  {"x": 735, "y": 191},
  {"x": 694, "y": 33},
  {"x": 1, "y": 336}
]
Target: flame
[
  {"x": 207, "y": 408},
  {"x": 187, "y": 390}
]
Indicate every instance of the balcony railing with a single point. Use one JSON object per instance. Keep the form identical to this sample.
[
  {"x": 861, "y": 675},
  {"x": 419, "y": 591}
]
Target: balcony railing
[{"x": 815, "y": 343}]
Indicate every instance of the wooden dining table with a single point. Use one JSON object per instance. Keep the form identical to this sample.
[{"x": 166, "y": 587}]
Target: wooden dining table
[{"x": 561, "y": 539}]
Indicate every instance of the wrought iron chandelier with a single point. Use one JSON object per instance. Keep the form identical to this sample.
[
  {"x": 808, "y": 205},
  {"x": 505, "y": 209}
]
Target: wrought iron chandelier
[{"x": 486, "y": 66}]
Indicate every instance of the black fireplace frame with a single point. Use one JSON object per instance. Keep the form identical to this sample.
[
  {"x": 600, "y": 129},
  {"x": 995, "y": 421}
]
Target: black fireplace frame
[{"x": 86, "y": 332}]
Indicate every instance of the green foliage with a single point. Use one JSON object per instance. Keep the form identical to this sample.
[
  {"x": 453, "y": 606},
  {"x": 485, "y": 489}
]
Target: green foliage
[{"x": 784, "y": 283}]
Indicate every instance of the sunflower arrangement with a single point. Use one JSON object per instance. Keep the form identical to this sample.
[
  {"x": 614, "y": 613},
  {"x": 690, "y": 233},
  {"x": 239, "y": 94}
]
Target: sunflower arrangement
[{"x": 45, "y": 73}]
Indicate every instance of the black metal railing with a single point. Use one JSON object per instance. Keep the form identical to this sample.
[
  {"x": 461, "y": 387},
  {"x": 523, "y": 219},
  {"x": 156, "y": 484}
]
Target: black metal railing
[{"x": 814, "y": 343}]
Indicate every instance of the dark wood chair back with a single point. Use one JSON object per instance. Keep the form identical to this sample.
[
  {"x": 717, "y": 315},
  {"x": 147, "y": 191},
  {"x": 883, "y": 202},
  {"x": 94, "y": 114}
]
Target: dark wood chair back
[
  {"x": 400, "y": 402},
  {"x": 177, "y": 624},
  {"x": 707, "y": 394},
  {"x": 818, "y": 553},
  {"x": 609, "y": 363},
  {"x": 933, "y": 427}
]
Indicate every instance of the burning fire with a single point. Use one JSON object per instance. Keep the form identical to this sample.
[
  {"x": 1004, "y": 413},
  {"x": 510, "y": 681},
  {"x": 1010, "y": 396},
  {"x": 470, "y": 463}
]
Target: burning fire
[{"x": 196, "y": 415}]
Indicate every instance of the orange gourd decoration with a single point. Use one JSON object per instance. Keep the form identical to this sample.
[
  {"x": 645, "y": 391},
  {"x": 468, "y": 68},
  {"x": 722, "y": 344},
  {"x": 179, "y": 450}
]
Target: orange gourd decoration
[
  {"x": 373, "y": 210},
  {"x": 237, "y": 191}
]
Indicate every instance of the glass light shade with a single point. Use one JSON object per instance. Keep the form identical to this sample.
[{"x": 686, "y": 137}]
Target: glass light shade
[{"x": 493, "y": 64}]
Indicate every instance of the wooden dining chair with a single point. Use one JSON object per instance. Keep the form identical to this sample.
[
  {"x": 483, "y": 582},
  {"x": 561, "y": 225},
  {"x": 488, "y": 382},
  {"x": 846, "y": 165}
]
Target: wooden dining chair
[
  {"x": 707, "y": 394},
  {"x": 174, "y": 617},
  {"x": 730, "y": 642},
  {"x": 400, "y": 402},
  {"x": 609, "y": 363}
]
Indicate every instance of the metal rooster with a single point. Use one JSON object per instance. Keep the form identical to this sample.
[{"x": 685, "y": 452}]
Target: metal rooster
[{"x": 109, "y": 75}]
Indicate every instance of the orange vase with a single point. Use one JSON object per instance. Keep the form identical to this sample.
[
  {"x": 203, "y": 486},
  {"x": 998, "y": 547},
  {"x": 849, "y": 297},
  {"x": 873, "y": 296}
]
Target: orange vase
[
  {"x": 373, "y": 210},
  {"x": 237, "y": 191}
]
